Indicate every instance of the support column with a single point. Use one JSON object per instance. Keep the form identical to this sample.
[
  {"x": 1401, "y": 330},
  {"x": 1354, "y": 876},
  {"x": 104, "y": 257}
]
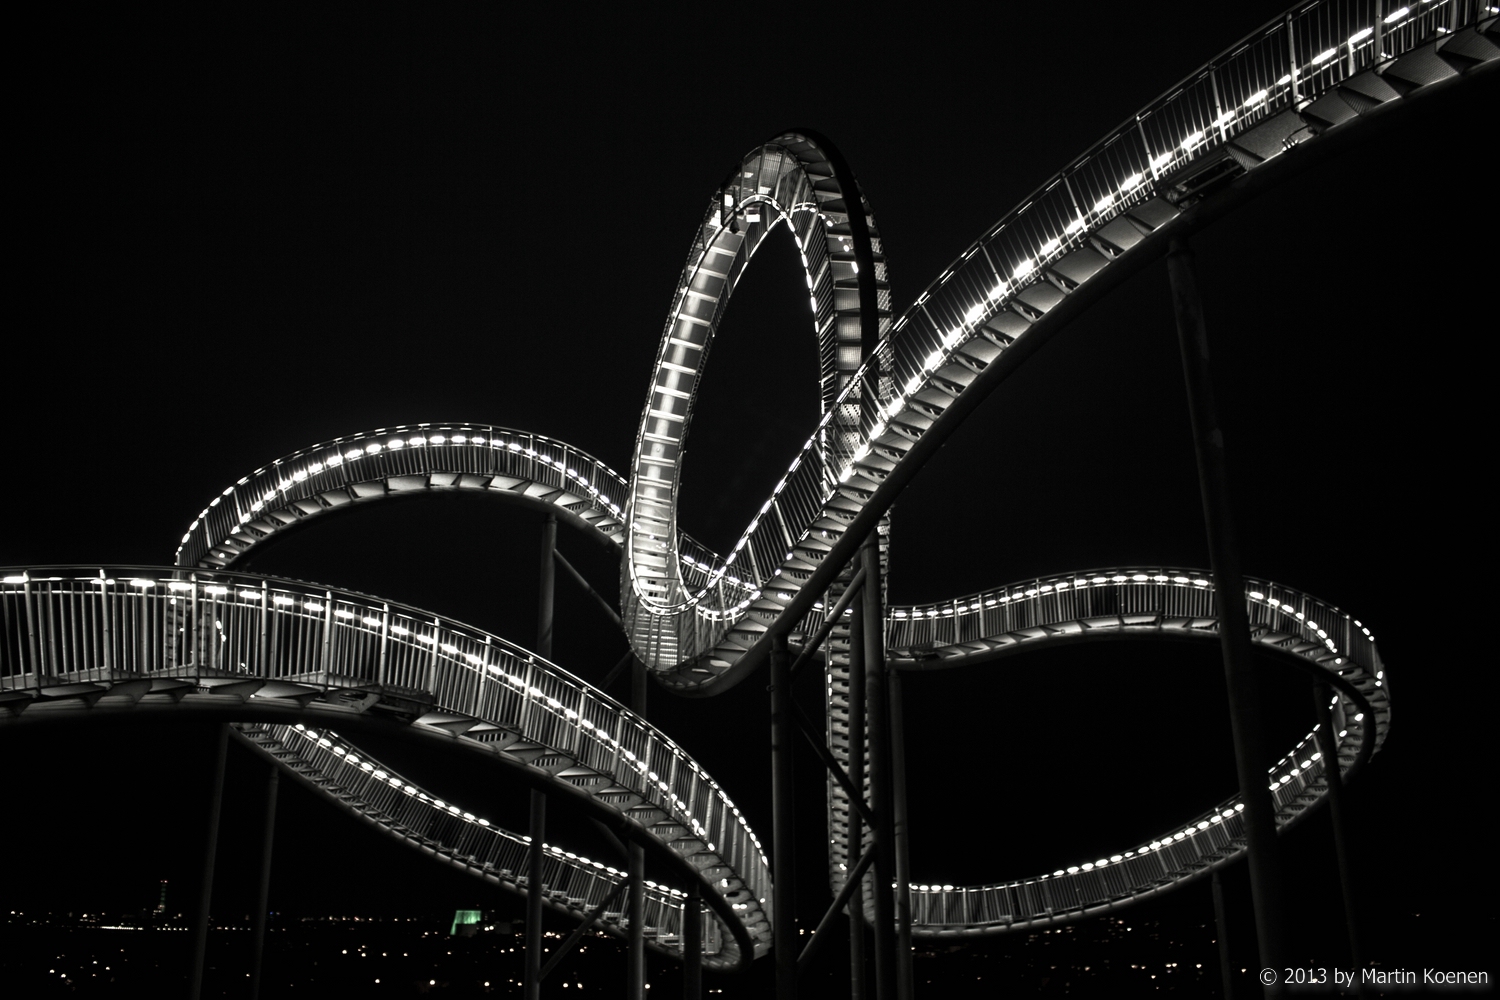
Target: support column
[
  {"x": 635, "y": 987},
  {"x": 638, "y": 688},
  {"x": 534, "y": 887},
  {"x": 1234, "y": 626},
  {"x": 783, "y": 791},
  {"x": 905, "y": 977},
  {"x": 692, "y": 943},
  {"x": 1328, "y": 745},
  {"x": 635, "y": 942},
  {"x": 210, "y": 848},
  {"x": 546, "y": 587},
  {"x": 535, "y": 855},
  {"x": 1221, "y": 931},
  {"x": 878, "y": 734},
  {"x": 268, "y": 839},
  {"x": 856, "y": 846}
]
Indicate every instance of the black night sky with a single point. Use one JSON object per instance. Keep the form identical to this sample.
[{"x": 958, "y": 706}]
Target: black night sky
[{"x": 250, "y": 230}]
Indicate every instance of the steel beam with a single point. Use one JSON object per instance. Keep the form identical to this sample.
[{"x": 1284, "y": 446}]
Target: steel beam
[
  {"x": 1234, "y": 624},
  {"x": 855, "y": 847},
  {"x": 604, "y": 605},
  {"x": 783, "y": 792},
  {"x": 878, "y": 734},
  {"x": 635, "y": 971},
  {"x": 905, "y": 975},
  {"x": 636, "y": 865},
  {"x": 692, "y": 942},
  {"x": 830, "y": 621},
  {"x": 850, "y": 887},
  {"x": 268, "y": 839},
  {"x": 1328, "y": 745},
  {"x": 210, "y": 848},
  {"x": 538, "y": 831},
  {"x": 546, "y": 587},
  {"x": 568, "y": 945},
  {"x": 1221, "y": 931}
]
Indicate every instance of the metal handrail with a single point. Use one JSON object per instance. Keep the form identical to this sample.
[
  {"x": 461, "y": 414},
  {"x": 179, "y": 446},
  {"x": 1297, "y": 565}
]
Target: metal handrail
[
  {"x": 972, "y": 312},
  {"x": 290, "y": 488},
  {"x": 379, "y": 795},
  {"x": 69, "y": 628},
  {"x": 1153, "y": 602}
]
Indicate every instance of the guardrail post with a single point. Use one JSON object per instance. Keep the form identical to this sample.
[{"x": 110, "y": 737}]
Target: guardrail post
[
  {"x": 1333, "y": 774},
  {"x": 1291, "y": 54},
  {"x": 210, "y": 848},
  {"x": 383, "y": 678},
  {"x": 1234, "y": 624},
  {"x": 783, "y": 787},
  {"x": 538, "y": 829},
  {"x": 273, "y": 780},
  {"x": 265, "y": 624},
  {"x": 31, "y": 643}
]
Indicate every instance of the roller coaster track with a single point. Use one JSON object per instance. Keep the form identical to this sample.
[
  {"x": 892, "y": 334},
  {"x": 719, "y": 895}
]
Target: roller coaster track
[{"x": 289, "y": 661}]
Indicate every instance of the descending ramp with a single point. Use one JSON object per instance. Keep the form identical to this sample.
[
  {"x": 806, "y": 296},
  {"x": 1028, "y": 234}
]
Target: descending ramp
[{"x": 138, "y": 640}]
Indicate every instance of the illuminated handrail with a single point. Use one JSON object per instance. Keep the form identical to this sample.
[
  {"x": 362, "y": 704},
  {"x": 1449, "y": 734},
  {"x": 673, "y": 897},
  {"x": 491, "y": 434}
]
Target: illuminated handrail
[
  {"x": 997, "y": 288},
  {"x": 1148, "y": 602},
  {"x": 402, "y": 459},
  {"x": 373, "y": 791},
  {"x": 79, "y": 632}
]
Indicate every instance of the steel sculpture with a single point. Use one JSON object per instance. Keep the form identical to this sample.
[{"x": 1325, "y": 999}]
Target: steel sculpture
[{"x": 289, "y": 662}]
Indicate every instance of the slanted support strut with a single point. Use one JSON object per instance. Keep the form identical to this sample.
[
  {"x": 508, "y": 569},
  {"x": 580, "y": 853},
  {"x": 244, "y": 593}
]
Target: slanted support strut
[
  {"x": 1234, "y": 624},
  {"x": 546, "y": 587}
]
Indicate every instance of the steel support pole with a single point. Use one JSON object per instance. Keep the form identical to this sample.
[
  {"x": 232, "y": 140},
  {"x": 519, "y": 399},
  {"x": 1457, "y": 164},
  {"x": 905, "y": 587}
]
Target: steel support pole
[
  {"x": 1234, "y": 625},
  {"x": 546, "y": 587},
  {"x": 692, "y": 943},
  {"x": 783, "y": 791},
  {"x": 263, "y": 897},
  {"x": 1221, "y": 931},
  {"x": 878, "y": 736},
  {"x": 905, "y": 978},
  {"x": 638, "y": 688},
  {"x": 635, "y": 986},
  {"x": 636, "y": 866},
  {"x": 210, "y": 848},
  {"x": 538, "y": 829},
  {"x": 856, "y": 846},
  {"x": 1328, "y": 744}
]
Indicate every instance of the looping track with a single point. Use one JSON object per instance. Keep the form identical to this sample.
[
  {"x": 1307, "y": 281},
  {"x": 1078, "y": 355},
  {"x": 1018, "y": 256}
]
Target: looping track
[{"x": 288, "y": 661}]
